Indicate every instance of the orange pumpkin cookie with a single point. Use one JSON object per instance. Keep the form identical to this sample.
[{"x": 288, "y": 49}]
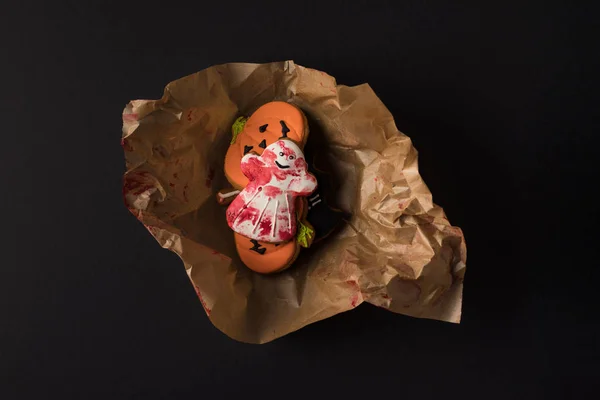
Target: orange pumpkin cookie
[
  {"x": 265, "y": 257},
  {"x": 268, "y": 258},
  {"x": 268, "y": 124}
]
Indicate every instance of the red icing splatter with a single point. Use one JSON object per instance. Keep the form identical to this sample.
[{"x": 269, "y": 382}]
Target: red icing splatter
[
  {"x": 296, "y": 185},
  {"x": 287, "y": 234},
  {"x": 265, "y": 226},
  {"x": 249, "y": 214},
  {"x": 300, "y": 164},
  {"x": 253, "y": 169},
  {"x": 171, "y": 184},
  {"x": 287, "y": 151},
  {"x": 189, "y": 116},
  {"x": 262, "y": 175},
  {"x": 175, "y": 175},
  {"x": 269, "y": 157},
  {"x": 272, "y": 191},
  {"x": 281, "y": 175},
  {"x": 241, "y": 212},
  {"x": 294, "y": 181}
]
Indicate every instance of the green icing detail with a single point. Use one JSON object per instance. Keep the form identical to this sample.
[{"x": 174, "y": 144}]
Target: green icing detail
[
  {"x": 304, "y": 234},
  {"x": 237, "y": 127}
]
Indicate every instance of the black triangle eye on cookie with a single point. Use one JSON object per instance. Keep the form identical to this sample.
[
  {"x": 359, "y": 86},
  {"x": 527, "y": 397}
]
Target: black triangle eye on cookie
[{"x": 284, "y": 129}]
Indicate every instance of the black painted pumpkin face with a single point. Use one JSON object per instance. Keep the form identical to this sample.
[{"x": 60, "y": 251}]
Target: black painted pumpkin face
[{"x": 268, "y": 124}]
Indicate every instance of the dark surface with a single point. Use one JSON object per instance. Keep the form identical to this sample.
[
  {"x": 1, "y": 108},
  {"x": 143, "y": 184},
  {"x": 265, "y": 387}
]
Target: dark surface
[{"x": 499, "y": 101}]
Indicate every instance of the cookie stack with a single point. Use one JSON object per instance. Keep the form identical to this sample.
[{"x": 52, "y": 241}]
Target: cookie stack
[{"x": 270, "y": 176}]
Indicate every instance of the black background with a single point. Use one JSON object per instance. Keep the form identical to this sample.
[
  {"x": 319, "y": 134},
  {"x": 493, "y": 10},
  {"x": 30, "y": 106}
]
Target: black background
[{"x": 498, "y": 99}]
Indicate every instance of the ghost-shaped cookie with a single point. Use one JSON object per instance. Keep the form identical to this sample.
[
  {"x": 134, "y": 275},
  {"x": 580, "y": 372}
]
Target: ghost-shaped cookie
[{"x": 265, "y": 209}]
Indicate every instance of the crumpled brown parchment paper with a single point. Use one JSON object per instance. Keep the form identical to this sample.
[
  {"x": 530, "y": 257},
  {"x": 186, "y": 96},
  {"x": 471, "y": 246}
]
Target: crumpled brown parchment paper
[{"x": 397, "y": 251}]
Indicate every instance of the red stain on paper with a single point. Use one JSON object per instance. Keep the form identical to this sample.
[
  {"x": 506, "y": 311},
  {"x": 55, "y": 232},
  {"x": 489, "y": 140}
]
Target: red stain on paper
[
  {"x": 152, "y": 229},
  {"x": 354, "y": 300},
  {"x": 130, "y": 117},
  {"x": 136, "y": 184},
  {"x": 202, "y": 300},
  {"x": 356, "y": 295},
  {"x": 126, "y": 146},
  {"x": 161, "y": 151},
  {"x": 221, "y": 256}
]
